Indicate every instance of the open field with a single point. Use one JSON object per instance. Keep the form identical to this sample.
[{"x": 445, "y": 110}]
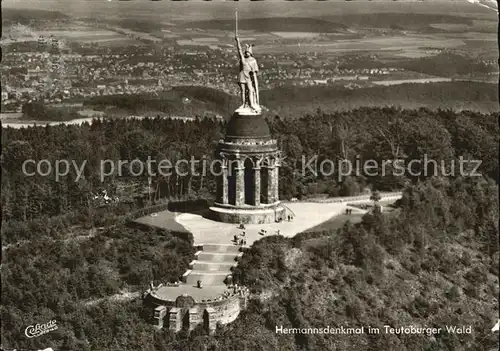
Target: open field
[
  {"x": 413, "y": 53},
  {"x": 296, "y": 35},
  {"x": 85, "y": 36},
  {"x": 78, "y": 34},
  {"x": 412, "y": 44},
  {"x": 450, "y": 26},
  {"x": 336, "y": 222},
  {"x": 406, "y": 81},
  {"x": 164, "y": 219},
  {"x": 395, "y": 45},
  {"x": 276, "y": 27},
  {"x": 198, "y": 42}
]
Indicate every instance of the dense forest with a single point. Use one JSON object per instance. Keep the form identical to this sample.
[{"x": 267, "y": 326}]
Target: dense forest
[
  {"x": 296, "y": 101},
  {"x": 293, "y": 101},
  {"x": 447, "y": 65},
  {"x": 70, "y": 279},
  {"x": 444, "y": 64},
  {"x": 28, "y": 16},
  {"x": 433, "y": 263},
  {"x": 362, "y": 134}
]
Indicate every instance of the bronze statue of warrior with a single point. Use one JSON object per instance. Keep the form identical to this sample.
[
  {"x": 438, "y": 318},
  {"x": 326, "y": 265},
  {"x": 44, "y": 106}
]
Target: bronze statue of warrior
[{"x": 247, "y": 78}]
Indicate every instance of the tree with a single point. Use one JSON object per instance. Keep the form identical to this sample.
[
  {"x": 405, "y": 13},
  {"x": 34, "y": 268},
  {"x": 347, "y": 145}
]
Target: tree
[{"x": 375, "y": 197}]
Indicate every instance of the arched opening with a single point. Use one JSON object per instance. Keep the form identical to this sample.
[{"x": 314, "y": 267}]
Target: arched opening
[
  {"x": 264, "y": 185},
  {"x": 249, "y": 182},
  {"x": 231, "y": 182},
  {"x": 185, "y": 321},
  {"x": 220, "y": 182},
  {"x": 206, "y": 320}
]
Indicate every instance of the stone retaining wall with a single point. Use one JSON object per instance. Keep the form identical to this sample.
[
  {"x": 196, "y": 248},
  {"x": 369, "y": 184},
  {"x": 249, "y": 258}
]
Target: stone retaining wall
[
  {"x": 207, "y": 313},
  {"x": 359, "y": 198}
]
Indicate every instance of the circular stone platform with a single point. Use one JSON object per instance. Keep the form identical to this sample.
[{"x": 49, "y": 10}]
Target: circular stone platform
[
  {"x": 167, "y": 294},
  {"x": 250, "y": 215}
]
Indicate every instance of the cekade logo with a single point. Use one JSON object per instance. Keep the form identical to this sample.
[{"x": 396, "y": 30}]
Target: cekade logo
[{"x": 32, "y": 331}]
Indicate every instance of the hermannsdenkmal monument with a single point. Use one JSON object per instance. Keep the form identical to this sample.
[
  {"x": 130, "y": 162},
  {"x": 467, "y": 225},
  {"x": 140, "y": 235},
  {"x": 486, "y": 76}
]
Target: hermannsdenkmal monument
[
  {"x": 246, "y": 208},
  {"x": 247, "y": 189},
  {"x": 247, "y": 193}
]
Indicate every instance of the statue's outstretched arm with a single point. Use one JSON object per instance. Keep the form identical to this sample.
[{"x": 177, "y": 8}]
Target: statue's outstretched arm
[{"x": 238, "y": 45}]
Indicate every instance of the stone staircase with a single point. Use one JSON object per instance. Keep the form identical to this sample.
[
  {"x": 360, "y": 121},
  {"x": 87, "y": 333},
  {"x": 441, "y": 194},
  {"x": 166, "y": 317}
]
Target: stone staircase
[
  {"x": 217, "y": 257},
  {"x": 222, "y": 248},
  {"x": 207, "y": 278},
  {"x": 207, "y": 266},
  {"x": 213, "y": 264}
]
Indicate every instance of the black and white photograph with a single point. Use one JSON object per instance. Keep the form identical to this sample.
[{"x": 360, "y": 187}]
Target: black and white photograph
[{"x": 268, "y": 175}]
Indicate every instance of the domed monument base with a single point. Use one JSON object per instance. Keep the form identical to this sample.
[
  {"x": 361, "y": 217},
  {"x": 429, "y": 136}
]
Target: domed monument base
[{"x": 247, "y": 185}]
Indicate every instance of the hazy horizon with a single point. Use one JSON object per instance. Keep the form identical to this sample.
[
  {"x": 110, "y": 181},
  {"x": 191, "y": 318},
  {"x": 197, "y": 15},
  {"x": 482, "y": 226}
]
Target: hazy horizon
[{"x": 198, "y": 10}]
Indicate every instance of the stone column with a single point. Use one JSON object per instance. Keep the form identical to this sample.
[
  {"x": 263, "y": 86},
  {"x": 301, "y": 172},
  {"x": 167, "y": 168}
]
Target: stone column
[
  {"x": 276, "y": 183},
  {"x": 240, "y": 184},
  {"x": 194, "y": 318},
  {"x": 175, "y": 322},
  {"x": 210, "y": 320},
  {"x": 159, "y": 315},
  {"x": 243, "y": 302},
  {"x": 271, "y": 191},
  {"x": 224, "y": 184},
  {"x": 256, "y": 174}
]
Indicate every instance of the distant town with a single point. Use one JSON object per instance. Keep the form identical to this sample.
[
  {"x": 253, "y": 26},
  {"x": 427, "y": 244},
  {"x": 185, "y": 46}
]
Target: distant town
[
  {"x": 56, "y": 70},
  {"x": 60, "y": 59}
]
